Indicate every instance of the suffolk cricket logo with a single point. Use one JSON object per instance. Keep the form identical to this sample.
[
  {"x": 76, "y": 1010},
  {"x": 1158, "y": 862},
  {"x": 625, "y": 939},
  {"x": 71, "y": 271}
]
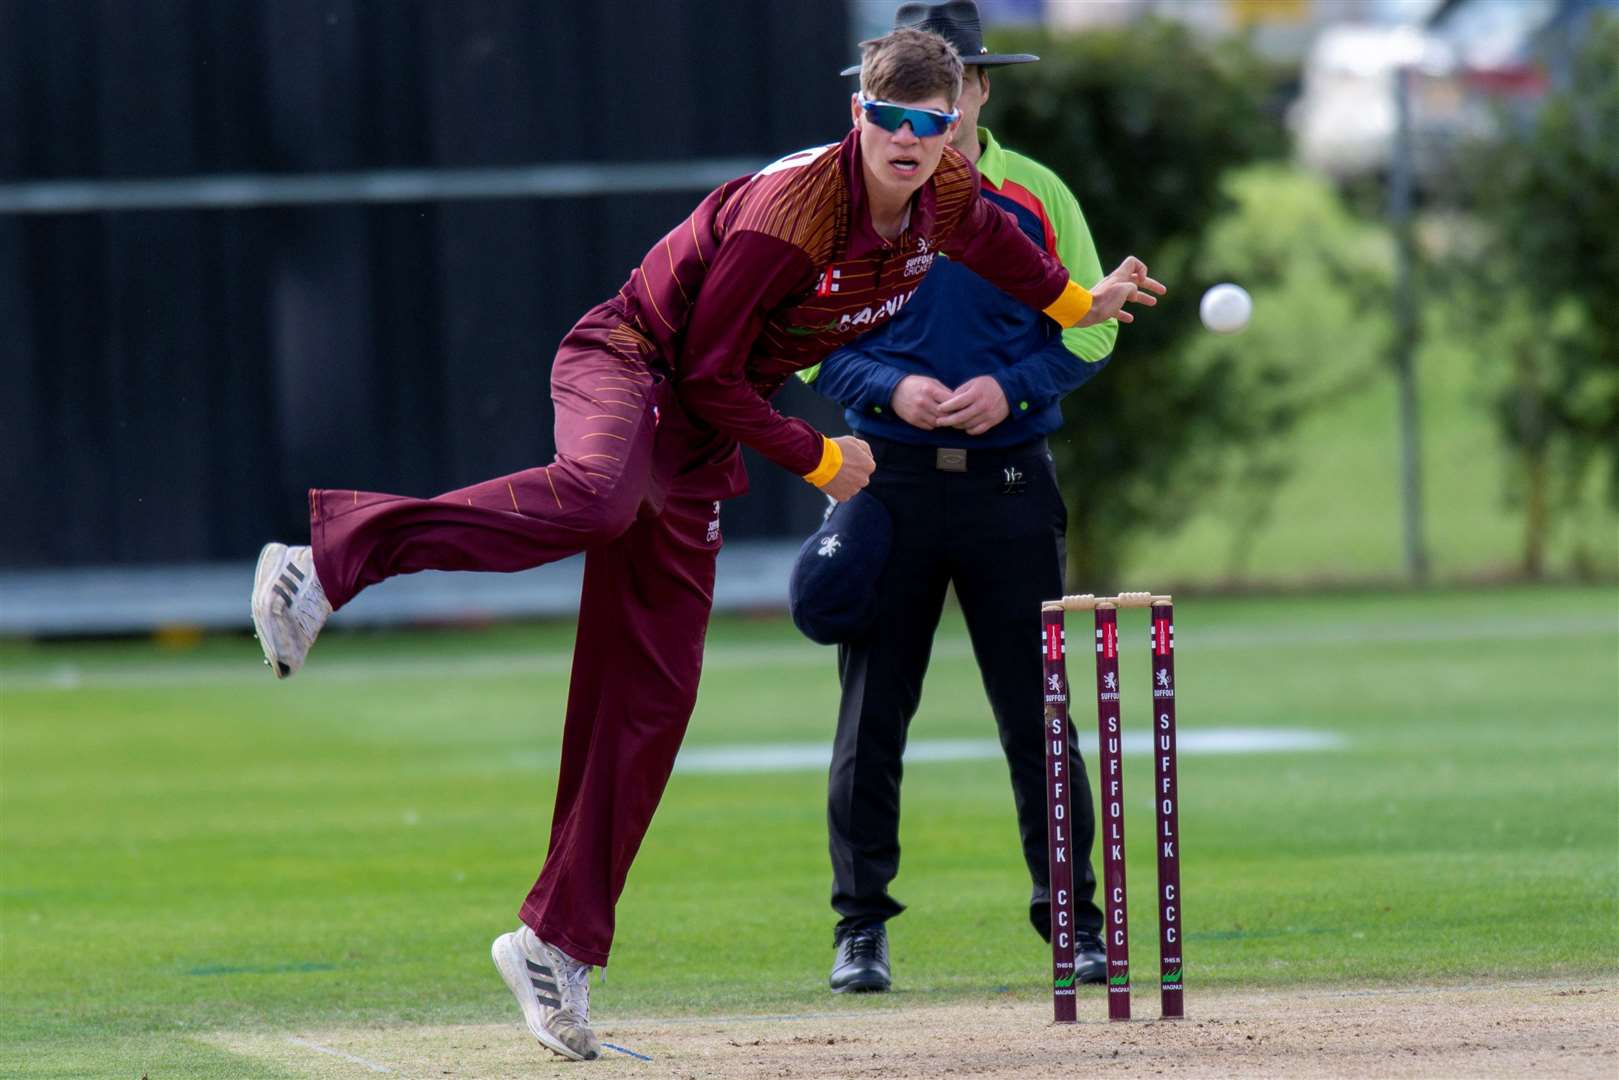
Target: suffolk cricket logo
[
  {"x": 829, "y": 546},
  {"x": 1056, "y": 692},
  {"x": 1161, "y": 687},
  {"x": 921, "y": 261},
  {"x": 1110, "y": 687}
]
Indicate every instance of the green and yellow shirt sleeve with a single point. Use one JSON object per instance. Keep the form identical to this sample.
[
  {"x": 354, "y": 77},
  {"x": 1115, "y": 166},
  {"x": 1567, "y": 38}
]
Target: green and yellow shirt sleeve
[{"x": 1075, "y": 247}]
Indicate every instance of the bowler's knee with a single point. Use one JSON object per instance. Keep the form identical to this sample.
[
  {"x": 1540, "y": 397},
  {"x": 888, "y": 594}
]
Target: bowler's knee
[
  {"x": 604, "y": 516},
  {"x": 615, "y": 515}
]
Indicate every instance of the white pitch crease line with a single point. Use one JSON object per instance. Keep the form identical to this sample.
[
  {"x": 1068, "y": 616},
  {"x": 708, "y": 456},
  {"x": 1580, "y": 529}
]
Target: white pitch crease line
[
  {"x": 804, "y": 757},
  {"x": 319, "y": 1049}
]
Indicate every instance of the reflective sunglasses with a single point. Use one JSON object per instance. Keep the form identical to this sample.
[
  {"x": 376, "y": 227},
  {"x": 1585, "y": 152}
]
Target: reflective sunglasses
[{"x": 924, "y": 122}]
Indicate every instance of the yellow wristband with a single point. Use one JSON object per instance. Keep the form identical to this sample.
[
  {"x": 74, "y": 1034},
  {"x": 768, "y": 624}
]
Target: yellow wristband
[
  {"x": 831, "y": 462},
  {"x": 1071, "y": 305}
]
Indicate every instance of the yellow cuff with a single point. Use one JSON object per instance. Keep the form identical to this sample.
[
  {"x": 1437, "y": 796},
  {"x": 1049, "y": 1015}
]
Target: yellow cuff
[
  {"x": 831, "y": 462},
  {"x": 1071, "y": 305}
]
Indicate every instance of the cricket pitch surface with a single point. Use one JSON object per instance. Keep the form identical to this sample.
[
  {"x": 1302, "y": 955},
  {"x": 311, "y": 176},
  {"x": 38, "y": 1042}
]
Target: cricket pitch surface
[{"x": 1562, "y": 1028}]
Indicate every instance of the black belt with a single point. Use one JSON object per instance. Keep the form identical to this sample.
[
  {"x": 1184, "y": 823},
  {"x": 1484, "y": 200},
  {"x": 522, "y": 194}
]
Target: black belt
[{"x": 954, "y": 458}]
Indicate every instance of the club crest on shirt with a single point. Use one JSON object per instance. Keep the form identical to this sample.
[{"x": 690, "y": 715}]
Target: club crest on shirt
[{"x": 921, "y": 261}]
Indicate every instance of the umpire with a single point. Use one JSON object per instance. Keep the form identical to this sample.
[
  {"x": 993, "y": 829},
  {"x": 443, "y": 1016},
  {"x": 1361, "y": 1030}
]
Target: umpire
[{"x": 956, "y": 395}]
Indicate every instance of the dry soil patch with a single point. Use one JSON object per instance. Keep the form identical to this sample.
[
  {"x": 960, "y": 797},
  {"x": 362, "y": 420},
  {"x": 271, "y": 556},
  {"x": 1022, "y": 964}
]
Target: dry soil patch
[{"x": 1552, "y": 1029}]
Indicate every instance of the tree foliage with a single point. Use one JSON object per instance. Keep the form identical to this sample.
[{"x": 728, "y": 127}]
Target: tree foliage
[
  {"x": 1142, "y": 123},
  {"x": 1320, "y": 278},
  {"x": 1540, "y": 277}
]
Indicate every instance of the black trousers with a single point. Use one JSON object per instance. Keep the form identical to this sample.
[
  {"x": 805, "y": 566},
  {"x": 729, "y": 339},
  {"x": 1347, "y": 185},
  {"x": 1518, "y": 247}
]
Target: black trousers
[{"x": 993, "y": 526}]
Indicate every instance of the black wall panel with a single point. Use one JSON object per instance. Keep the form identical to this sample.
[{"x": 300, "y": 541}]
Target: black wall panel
[{"x": 172, "y": 381}]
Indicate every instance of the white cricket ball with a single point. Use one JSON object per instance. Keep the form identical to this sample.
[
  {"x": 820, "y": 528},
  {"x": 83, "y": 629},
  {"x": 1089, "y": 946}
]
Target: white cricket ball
[{"x": 1225, "y": 308}]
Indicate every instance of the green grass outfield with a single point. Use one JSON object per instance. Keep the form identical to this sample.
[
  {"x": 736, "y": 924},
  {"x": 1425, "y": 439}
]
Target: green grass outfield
[{"x": 189, "y": 846}]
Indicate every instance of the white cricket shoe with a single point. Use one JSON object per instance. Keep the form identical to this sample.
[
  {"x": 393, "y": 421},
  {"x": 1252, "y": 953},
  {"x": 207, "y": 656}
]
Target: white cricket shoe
[
  {"x": 289, "y": 606},
  {"x": 553, "y": 991}
]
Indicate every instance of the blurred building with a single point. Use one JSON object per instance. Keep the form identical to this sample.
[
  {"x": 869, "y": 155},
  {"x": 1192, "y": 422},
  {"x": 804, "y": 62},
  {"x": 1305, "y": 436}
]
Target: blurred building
[
  {"x": 1516, "y": 46},
  {"x": 1468, "y": 63},
  {"x": 1467, "y": 59}
]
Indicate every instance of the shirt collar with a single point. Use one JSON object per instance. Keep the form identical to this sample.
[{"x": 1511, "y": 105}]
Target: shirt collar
[
  {"x": 863, "y": 238},
  {"x": 991, "y": 159}
]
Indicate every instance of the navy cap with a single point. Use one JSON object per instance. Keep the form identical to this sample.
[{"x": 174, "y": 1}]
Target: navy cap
[{"x": 832, "y": 592}]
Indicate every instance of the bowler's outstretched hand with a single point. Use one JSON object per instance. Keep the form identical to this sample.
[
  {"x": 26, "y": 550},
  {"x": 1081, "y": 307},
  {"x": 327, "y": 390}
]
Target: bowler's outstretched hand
[{"x": 1129, "y": 283}]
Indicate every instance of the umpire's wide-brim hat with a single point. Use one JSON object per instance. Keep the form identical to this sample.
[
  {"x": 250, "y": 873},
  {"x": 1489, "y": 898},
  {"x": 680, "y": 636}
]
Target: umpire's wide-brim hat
[
  {"x": 957, "y": 22},
  {"x": 832, "y": 591}
]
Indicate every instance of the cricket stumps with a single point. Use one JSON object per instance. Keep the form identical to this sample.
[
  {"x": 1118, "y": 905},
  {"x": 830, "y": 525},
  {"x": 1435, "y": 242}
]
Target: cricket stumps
[{"x": 1059, "y": 798}]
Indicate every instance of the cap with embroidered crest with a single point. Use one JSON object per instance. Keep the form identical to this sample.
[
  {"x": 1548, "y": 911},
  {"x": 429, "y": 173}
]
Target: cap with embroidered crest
[{"x": 832, "y": 590}]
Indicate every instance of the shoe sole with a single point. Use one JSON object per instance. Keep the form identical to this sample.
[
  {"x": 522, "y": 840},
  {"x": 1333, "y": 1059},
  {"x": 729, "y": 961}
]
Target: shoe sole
[
  {"x": 509, "y": 961},
  {"x": 272, "y": 561},
  {"x": 863, "y": 986}
]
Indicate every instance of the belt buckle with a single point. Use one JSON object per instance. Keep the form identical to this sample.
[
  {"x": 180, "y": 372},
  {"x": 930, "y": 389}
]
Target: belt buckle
[{"x": 950, "y": 459}]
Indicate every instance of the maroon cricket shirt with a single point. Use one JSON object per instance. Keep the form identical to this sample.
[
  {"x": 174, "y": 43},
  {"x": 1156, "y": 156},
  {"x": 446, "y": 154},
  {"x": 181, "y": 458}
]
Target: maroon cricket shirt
[{"x": 774, "y": 271}]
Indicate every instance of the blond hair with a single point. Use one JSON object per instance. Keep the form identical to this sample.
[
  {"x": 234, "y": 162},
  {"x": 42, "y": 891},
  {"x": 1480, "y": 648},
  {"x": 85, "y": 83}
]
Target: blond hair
[{"x": 910, "y": 66}]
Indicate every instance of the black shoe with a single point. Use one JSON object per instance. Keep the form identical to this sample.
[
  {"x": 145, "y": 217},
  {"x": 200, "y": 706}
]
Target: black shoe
[
  {"x": 861, "y": 964},
  {"x": 1090, "y": 959}
]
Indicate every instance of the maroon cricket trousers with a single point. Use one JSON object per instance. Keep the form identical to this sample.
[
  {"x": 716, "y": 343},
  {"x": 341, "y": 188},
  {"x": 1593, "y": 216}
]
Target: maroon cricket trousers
[{"x": 634, "y": 485}]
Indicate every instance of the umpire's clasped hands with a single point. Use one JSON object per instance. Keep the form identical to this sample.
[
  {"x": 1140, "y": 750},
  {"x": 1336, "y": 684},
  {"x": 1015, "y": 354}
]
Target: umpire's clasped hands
[{"x": 974, "y": 407}]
